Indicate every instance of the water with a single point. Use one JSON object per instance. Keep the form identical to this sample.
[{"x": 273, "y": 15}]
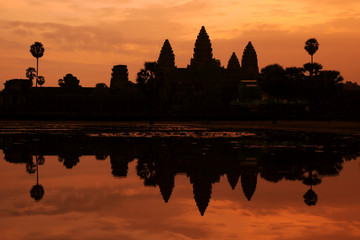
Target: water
[{"x": 177, "y": 182}]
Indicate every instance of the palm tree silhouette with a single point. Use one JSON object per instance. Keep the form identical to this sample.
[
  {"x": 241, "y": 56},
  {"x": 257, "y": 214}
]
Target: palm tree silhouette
[
  {"x": 61, "y": 82},
  {"x": 30, "y": 73},
  {"x": 313, "y": 68},
  {"x": 40, "y": 80},
  {"x": 311, "y": 46},
  {"x": 37, "y": 50},
  {"x": 148, "y": 79}
]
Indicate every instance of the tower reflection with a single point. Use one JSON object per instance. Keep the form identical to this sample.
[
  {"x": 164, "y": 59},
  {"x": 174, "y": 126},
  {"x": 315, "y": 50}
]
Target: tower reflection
[{"x": 203, "y": 160}]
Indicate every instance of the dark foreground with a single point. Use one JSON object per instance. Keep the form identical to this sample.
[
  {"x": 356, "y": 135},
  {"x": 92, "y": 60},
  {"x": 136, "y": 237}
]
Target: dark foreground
[{"x": 205, "y": 180}]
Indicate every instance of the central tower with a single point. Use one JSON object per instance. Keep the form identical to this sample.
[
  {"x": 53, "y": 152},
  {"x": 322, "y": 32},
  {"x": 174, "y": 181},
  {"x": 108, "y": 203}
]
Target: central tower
[{"x": 203, "y": 50}]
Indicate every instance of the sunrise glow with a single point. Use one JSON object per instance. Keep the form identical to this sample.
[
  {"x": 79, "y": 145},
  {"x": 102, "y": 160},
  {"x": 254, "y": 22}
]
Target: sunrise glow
[{"x": 86, "y": 38}]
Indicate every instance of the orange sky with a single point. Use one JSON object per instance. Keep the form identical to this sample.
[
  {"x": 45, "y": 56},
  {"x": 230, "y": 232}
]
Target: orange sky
[{"x": 86, "y": 38}]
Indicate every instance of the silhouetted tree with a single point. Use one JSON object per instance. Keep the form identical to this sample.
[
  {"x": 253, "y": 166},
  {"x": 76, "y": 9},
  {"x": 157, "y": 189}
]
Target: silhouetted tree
[
  {"x": 40, "y": 80},
  {"x": 37, "y": 50},
  {"x": 99, "y": 155},
  {"x": 147, "y": 80},
  {"x": 61, "y": 82},
  {"x": 323, "y": 86},
  {"x": 272, "y": 80},
  {"x": 40, "y": 159},
  {"x": 331, "y": 78},
  {"x": 31, "y": 73},
  {"x": 101, "y": 85},
  {"x": 30, "y": 167},
  {"x": 351, "y": 85},
  {"x": 294, "y": 86},
  {"x": 332, "y": 82},
  {"x": 311, "y": 46},
  {"x": 311, "y": 178},
  {"x": 69, "y": 159},
  {"x": 69, "y": 81},
  {"x": 312, "y": 68},
  {"x": 146, "y": 169},
  {"x": 147, "y": 75}
]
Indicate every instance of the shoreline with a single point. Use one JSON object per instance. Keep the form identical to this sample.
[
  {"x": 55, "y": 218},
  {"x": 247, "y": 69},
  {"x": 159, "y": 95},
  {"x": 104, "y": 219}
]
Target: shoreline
[{"x": 336, "y": 127}]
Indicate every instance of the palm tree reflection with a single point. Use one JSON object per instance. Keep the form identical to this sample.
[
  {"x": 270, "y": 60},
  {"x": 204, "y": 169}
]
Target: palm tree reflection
[
  {"x": 203, "y": 161},
  {"x": 311, "y": 179},
  {"x": 37, "y": 191},
  {"x": 310, "y": 197},
  {"x": 69, "y": 159}
]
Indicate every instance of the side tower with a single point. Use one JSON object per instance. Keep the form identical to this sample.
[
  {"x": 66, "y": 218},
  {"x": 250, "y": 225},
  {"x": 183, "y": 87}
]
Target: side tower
[
  {"x": 166, "y": 61},
  {"x": 232, "y": 80},
  {"x": 249, "y": 62},
  {"x": 233, "y": 64},
  {"x": 119, "y": 76}
]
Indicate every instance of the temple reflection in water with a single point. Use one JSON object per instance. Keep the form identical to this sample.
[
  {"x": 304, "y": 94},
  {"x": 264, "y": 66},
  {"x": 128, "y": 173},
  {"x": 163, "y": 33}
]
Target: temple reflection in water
[{"x": 203, "y": 160}]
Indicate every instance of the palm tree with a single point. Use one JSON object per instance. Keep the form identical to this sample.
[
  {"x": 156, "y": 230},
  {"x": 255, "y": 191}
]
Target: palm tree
[
  {"x": 147, "y": 75},
  {"x": 147, "y": 81},
  {"x": 272, "y": 80},
  {"x": 37, "y": 50},
  {"x": 311, "y": 46},
  {"x": 40, "y": 80},
  {"x": 61, "y": 82},
  {"x": 313, "y": 68},
  {"x": 30, "y": 73}
]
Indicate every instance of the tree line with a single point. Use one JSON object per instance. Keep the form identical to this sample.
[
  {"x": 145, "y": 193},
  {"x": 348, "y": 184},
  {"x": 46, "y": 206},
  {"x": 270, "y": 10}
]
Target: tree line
[{"x": 308, "y": 83}]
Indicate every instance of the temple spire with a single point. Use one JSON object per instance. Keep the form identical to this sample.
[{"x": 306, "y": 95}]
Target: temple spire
[
  {"x": 203, "y": 49},
  {"x": 248, "y": 184},
  {"x": 233, "y": 178},
  {"x": 202, "y": 190},
  {"x": 166, "y": 59},
  {"x": 166, "y": 185},
  {"x": 249, "y": 62},
  {"x": 233, "y": 64}
]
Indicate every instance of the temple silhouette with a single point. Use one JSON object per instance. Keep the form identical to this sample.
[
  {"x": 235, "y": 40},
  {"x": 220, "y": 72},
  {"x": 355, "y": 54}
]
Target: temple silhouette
[{"x": 202, "y": 89}]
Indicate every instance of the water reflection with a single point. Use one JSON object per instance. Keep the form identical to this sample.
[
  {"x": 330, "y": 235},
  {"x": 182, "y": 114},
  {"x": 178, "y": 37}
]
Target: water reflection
[
  {"x": 37, "y": 191},
  {"x": 305, "y": 159}
]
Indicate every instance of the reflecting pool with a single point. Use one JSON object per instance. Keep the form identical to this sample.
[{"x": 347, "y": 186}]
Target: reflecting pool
[{"x": 177, "y": 182}]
